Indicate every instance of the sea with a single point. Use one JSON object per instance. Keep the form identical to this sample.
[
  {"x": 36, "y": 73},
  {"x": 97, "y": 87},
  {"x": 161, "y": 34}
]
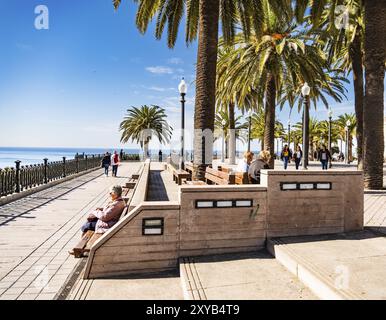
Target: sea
[{"x": 27, "y": 156}]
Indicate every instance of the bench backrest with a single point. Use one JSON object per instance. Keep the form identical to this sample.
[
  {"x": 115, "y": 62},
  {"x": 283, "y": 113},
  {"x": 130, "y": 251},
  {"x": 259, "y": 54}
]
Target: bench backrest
[
  {"x": 242, "y": 178},
  {"x": 189, "y": 167},
  {"x": 219, "y": 177}
]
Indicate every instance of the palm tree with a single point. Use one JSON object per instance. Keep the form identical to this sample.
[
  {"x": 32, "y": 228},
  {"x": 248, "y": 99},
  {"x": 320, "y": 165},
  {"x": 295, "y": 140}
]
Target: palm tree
[
  {"x": 222, "y": 124},
  {"x": 282, "y": 56},
  {"x": 141, "y": 124},
  {"x": 341, "y": 124},
  {"x": 202, "y": 21},
  {"x": 374, "y": 63},
  {"x": 373, "y": 130},
  {"x": 344, "y": 42}
]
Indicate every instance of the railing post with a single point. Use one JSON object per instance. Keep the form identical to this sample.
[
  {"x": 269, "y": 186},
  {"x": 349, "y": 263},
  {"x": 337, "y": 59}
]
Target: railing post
[
  {"x": 86, "y": 161},
  {"x": 45, "y": 170},
  {"x": 64, "y": 167},
  {"x": 77, "y": 163},
  {"x": 17, "y": 176}
]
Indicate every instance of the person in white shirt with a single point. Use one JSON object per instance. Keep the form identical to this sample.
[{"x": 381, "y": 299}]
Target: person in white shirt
[
  {"x": 243, "y": 165},
  {"x": 115, "y": 162}
]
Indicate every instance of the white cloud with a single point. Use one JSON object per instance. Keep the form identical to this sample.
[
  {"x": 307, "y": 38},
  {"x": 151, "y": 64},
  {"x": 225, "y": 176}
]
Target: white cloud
[
  {"x": 160, "y": 70},
  {"x": 160, "y": 89},
  {"x": 175, "y": 61}
]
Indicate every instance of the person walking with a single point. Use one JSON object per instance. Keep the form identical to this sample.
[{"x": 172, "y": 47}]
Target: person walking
[
  {"x": 106, "y": 162},
  {"x": 262, "y": 162},
  {"x": 298, "y": 155},
  {"x": 324, "y": 157},
  {"x": 121, "y": 154},
  {"x": 286, "y": 156},
  {"x": 160, "y": 156},
  {"x": 115, "y": 163}
]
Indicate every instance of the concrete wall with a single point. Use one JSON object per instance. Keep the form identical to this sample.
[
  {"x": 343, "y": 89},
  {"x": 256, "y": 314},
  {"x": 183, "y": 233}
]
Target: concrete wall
[
  {"x": 193, "y": 231},
  {"x": 124, "y": 250},
  {"x": 310, "y": 212},
  {"x": 206, "y": 231}
]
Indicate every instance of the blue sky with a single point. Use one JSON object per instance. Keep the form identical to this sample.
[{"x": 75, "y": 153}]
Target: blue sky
[{"x": 69, "y": 86}]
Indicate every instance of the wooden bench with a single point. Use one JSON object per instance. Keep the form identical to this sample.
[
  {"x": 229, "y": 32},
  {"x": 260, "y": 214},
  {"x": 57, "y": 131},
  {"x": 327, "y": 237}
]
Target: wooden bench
[
  {"x": 213, "y": 176},
  {"x": 189, "y": 167},
  {"x": 90, "y": 237},
  {"x": 179, "y": 174},
  {"x": 240, "y": 177}
]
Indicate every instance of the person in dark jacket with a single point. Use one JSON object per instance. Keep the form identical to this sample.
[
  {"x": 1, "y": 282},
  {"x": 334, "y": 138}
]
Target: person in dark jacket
[
  {"x": 262, "y": 162},
  {"x": 324, "y": 157},
  {"x": 286, "y": 156},
  {"x": 298, "y": 155},
  {"x": 106, "y": 162}
]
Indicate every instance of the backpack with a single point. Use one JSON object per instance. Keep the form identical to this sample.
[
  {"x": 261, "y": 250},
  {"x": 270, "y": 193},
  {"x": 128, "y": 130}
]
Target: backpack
[{"x": 116, "y": 159}]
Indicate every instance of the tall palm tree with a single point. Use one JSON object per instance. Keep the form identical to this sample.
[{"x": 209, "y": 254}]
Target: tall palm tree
[
  {"x": 373, "y": 127},
  {"x": 344, "y": 42},
  {"x": 282, "y": 56},
  {"x": 202, "y": 21},
  {"x": 374, "y": 63},
  {"x": 141, "y": 124}
]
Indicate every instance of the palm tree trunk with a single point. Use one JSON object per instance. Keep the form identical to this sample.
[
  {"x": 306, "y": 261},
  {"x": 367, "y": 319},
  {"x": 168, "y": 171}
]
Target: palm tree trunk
[
  {"x": 373, "y": 135},
  {"x": 357, "y": 66},
  {"x": 270, "y": 108},
  {"x": 232, "y": 134},
  {"x": 205, "y": 85}
]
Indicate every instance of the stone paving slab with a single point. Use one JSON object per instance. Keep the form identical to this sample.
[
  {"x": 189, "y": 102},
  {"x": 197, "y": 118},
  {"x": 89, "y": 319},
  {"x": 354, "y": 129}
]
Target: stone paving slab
[
  {"x": 37, "y": 232},
  {"x": 243, "y": 276},
  {"x": 344, "y": 266},
  {"x": 161, "y": 287}
]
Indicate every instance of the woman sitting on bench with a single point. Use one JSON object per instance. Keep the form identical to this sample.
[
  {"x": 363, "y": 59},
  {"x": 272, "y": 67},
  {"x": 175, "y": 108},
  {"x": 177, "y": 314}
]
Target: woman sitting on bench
[{"x": 102, "y": 219}]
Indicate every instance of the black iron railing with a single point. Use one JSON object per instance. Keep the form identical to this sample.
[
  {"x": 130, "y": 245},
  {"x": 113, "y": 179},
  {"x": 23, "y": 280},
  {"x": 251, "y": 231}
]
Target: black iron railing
[{"x": 20, "y": 178}]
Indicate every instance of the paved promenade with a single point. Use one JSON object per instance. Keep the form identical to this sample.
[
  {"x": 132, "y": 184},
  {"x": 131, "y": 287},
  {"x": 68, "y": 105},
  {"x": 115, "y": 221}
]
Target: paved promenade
[{"x": 37, "y": 232}]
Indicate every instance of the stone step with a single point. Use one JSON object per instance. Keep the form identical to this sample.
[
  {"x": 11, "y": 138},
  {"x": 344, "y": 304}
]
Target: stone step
[
  {"x": 246, "y": 276},
  {"x": 336, "y": 267}
]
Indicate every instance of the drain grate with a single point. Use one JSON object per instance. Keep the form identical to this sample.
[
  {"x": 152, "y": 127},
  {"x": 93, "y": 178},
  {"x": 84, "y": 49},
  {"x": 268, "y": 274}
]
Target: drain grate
[{"x": 71, "y": 280}]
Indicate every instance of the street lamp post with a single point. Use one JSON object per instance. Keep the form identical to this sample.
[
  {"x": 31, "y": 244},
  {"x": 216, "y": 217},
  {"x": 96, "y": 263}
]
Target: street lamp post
[
  {"x": 289, "y": 134},
  {"x": 223, "y": 124},
  {"x": 329, "y": 128},
  {"x": 329, "y": 133},
  {"x": 348, "y": 124},
  {"x": 182, "y": 88},
  {"x": 249, "y": 130},
  {"x": 306, "y": 118}
]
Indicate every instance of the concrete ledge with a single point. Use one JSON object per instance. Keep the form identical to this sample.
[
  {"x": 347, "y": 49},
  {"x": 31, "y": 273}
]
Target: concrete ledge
[
  {"x": 313, "y": 277},
  {"x": 140, "y": 192},
  {"x": 227, "y": 188},
  {"x": 311, "y": 172},
  {"x": 17, "y": 196}
]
